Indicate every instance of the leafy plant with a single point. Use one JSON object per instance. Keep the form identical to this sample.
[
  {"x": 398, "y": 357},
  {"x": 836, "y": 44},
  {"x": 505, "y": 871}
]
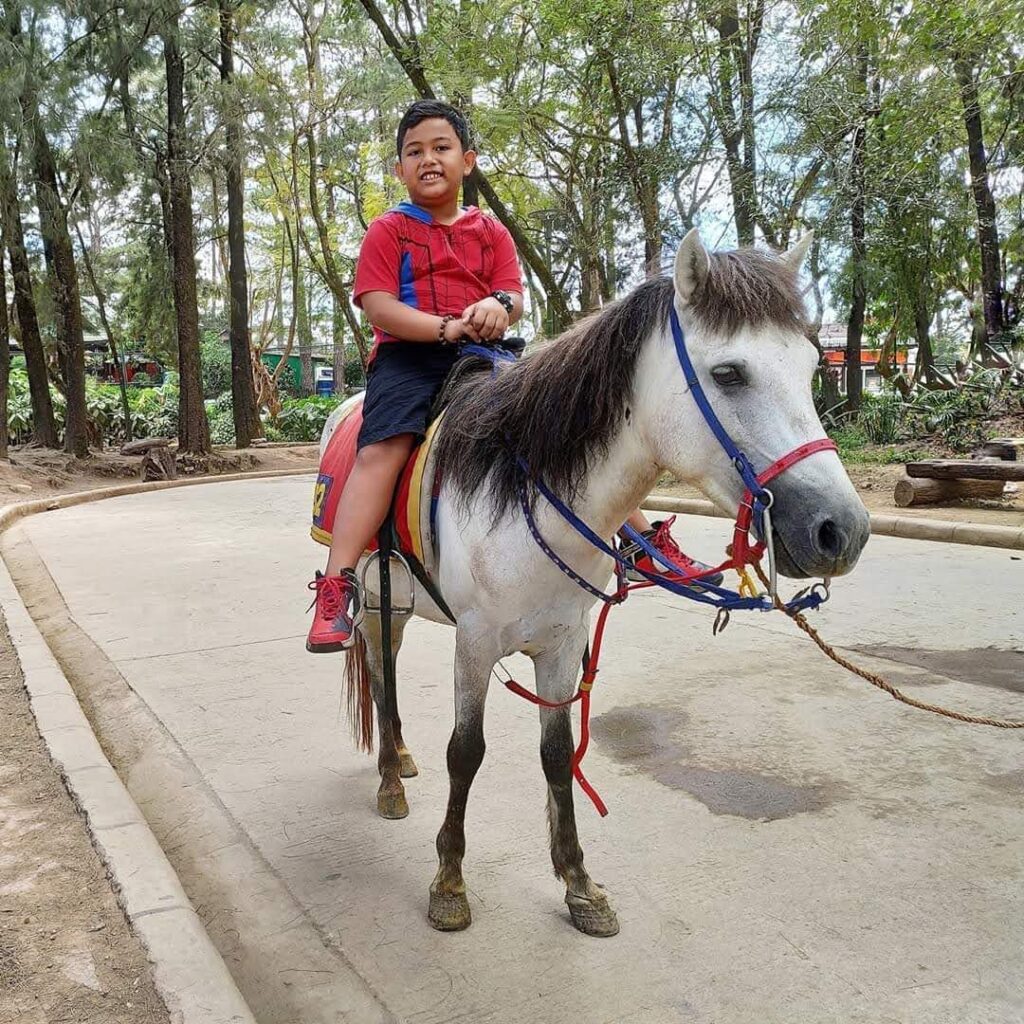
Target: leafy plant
[
  {"x": 303, "y": 419},
  {"x": 882, "y": 417}
]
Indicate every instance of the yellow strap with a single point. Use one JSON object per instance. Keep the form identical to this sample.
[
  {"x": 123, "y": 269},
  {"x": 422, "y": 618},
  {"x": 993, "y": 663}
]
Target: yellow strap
[{"x": 747, "y": 587}]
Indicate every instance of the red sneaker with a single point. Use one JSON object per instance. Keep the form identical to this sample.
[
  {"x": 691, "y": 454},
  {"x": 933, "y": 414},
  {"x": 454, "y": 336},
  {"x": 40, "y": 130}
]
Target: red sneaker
[
  {"x": 339, "y": 610},
  {"x": 660, "y": 537}
]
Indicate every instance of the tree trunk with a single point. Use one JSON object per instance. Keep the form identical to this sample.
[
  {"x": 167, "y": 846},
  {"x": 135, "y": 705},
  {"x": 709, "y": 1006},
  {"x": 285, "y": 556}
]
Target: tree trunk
[
  {"x": 988, "y": 232},
  {"x": 101, "y": 303},
  {"x": 858, "y": 258},
  {"x": 337, "y": 314},
  {"x": 338, "y": 347},
  {"x": 5, "y": 353},
  {"x": 243, "y": 394},
  {"x": 925, "y": 368},
  {"x": 307, "y": 382},
  {"x": 916, "y": 491},
  {"x": 44, "y": 426},
  {"x": 53, "y": 226},
  {"x": 737, "y": 129},
  {"x": 193, "y": 428},
  {"x": 67, "y": 299}
]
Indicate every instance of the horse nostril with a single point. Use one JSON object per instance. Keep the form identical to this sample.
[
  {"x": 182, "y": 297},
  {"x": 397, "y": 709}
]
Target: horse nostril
[{"x": 830, "y": 539}]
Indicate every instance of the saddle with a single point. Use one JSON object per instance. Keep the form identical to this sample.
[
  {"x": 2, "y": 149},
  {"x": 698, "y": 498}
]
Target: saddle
[
  {"x": 415, "y": 503},
  {"x": 414, "y": 509}
]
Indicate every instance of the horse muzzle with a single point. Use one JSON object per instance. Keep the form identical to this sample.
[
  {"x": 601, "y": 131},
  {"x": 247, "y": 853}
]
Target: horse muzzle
[{"x": 816, "y": 537}]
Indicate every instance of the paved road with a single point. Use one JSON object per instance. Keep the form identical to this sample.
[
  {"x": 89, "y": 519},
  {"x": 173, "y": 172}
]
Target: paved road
[{"x": 784, "y": 843}]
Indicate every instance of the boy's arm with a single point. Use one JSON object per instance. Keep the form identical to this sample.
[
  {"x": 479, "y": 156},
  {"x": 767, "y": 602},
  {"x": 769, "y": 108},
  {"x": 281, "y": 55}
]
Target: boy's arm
[
  {"x": 399, "y": 320},
  {"x": 488, "y": 316}
]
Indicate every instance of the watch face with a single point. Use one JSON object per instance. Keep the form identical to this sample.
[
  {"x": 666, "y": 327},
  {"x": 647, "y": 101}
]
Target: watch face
[{"x": 505, "y": 299}]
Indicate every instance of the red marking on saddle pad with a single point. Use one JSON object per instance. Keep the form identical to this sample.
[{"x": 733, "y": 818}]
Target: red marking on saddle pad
[{"x": 335, "y": 467}]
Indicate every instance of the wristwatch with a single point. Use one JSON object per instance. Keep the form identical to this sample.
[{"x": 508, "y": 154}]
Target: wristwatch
[{"x": 505, "y": 299}]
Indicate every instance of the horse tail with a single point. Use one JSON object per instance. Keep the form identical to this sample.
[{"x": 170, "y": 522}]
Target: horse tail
[{"x": 358, "y": 694}]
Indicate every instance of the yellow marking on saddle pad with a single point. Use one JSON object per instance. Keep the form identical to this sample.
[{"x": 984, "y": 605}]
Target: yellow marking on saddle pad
[
  {"x": 417, "y": 524},
  {"x": 416, "y": 497}
]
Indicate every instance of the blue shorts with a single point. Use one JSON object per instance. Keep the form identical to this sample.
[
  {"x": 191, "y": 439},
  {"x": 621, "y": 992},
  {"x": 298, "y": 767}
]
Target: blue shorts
[{"x": 403, "y": 382}]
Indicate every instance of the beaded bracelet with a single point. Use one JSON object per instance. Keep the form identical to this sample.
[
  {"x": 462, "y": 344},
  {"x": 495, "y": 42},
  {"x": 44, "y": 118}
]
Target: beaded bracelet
[{"x": 445, "y": 320}]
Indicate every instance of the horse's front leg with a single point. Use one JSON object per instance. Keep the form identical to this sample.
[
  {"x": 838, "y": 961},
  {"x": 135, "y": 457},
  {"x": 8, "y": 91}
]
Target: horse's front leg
[
  {"x": 474, "y": 659},
  {"x": 556, "y": 672},
  {"x": 393, "y": 760}
]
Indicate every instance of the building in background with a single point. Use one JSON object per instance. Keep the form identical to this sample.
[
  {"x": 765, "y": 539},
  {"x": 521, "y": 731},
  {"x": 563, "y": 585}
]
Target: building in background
[{"x": 832, "y": 338}]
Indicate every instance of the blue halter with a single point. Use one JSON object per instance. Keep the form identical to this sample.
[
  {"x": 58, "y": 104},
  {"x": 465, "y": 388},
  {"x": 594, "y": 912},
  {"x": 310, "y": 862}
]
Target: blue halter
[{"x": 718, "y": 597}]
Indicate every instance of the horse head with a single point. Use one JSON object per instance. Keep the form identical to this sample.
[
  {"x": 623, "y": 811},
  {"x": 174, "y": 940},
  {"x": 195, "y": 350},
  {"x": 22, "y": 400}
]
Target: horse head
[{"x": 745, "y": 328}]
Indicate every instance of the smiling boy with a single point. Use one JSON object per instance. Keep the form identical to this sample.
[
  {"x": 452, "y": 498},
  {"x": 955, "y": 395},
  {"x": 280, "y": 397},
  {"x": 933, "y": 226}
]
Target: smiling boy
[{"x": 430, "y": 274}]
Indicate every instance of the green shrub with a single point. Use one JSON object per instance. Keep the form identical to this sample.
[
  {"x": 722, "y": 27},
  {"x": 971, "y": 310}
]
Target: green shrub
[
  {"x": 216, "y": 359},
  {"x": 882, "y": 417},
  {"x": 303, "y": 419}
]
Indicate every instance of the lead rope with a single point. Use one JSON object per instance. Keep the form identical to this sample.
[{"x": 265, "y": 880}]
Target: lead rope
[{"x": 877, "y": 680}]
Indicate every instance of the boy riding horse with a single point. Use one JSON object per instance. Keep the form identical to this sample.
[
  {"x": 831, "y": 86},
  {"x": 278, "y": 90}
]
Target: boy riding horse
[{"x": 431, "y": 274}]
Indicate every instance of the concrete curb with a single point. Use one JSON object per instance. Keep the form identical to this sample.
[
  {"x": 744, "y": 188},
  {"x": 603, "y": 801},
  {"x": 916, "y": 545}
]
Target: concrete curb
[
  {"x": 904, "y": 527},
  {"x": 188, "y": 971}
]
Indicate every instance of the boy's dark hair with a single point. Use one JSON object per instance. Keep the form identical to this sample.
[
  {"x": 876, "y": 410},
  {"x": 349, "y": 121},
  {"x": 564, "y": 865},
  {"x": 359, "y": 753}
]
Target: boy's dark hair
[{"x": 423, "y": 110}]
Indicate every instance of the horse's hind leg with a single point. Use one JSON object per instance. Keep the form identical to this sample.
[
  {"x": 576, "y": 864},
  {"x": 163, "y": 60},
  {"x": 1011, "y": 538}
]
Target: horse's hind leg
[
  {"x": 556, "y": 679},
  {"x": 391, "y": 764},
  {"x": 449, "y": 908}
]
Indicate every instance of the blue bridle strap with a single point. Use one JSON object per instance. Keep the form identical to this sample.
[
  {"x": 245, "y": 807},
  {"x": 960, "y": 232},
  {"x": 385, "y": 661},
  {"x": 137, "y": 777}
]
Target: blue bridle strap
[
  {"x": 694, "y": 588},
  {"x": 738, "y": 458},
  {"x": 717, "y": 597}
]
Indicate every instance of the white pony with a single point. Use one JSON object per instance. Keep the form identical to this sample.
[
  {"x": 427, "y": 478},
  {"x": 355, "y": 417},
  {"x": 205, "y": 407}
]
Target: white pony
[{"x": 597, "y": 415}]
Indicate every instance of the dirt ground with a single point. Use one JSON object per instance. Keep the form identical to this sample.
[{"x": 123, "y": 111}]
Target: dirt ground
[
  {"x": 67, "y": 954},
  {"x": 66, "y": 951}
]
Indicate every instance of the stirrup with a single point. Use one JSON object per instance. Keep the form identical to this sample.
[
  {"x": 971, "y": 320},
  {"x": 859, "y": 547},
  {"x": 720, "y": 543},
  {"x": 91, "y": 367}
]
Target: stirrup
[{"x": 396, "y": 609}]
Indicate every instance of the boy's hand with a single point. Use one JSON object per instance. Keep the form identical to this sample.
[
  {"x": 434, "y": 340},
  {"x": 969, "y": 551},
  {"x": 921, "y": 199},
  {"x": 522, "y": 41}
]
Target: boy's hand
[
  {"x": 457, "y": 330},
  {"x": 488, "y": 318}
]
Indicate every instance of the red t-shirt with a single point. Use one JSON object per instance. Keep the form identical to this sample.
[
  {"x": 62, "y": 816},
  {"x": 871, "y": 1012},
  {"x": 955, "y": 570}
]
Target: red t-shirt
[{"x": 436, "y": 268}]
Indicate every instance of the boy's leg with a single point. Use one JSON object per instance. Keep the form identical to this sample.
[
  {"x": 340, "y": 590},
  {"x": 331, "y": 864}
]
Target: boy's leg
[
  {"x": 366, "y": 499},
  {"x": 660, "y": 536},
  {"x": 638, "y": 521},
  {"x": 362, "y": 508}
]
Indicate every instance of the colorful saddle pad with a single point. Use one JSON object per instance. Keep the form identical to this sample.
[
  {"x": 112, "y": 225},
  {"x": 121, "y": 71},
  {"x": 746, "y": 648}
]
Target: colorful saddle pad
[{"x": 415, "y": 501}]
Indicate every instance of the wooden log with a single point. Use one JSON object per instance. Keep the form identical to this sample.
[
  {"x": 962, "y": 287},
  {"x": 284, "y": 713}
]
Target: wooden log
[
  {"x": 917, "y": 491},
  {"x": 144, "y": 444},
  {"x": 964, "y": 469},
  {"x": 159, "y": 464},
  {"x": 1010, "y": 449}
]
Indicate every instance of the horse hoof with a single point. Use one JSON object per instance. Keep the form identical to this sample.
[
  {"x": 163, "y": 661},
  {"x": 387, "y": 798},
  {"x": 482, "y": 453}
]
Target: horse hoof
[
  {"x": 449, "y": 912},
  {"x": 392, "y": 805},
  {"x": 592, "y": 916},
  {"x": 407, "y": 768}
]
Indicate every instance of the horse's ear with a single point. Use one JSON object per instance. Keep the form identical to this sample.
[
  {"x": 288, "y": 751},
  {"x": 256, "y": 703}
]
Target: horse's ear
[
  {"x": 691, "y": 265},
  {"x": 795, "y": 257}
]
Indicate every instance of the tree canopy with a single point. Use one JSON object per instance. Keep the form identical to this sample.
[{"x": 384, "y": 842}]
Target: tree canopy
[{"x": 173, "y": 168}]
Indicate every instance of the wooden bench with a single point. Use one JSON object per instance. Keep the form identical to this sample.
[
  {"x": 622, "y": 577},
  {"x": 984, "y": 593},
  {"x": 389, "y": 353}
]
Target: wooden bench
[{"x": 936, "y": 480}]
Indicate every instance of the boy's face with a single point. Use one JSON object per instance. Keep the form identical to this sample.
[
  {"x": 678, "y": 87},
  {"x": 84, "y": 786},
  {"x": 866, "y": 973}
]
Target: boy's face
[{"x": 433, "y": 163}]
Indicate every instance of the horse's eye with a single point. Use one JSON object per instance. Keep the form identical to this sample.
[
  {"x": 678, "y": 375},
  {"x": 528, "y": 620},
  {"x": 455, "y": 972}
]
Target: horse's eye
[{"x": 727, "y": 376}]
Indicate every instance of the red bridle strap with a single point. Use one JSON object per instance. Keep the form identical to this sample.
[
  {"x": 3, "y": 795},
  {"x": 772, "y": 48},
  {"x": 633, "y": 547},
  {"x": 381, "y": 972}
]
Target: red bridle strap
[{"x": 742, "y": 551}]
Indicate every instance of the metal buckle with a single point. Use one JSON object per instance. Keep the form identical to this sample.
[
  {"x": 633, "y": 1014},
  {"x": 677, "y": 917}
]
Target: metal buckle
[{"x": 396, "y": 609}]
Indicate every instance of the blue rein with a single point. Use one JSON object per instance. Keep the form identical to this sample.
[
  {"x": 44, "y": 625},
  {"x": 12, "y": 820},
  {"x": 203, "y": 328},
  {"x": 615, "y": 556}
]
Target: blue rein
[{"x": 718, "y": 597}]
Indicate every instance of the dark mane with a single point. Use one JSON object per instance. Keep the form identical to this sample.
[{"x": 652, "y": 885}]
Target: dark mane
[{"x": 559, "y": 407}]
